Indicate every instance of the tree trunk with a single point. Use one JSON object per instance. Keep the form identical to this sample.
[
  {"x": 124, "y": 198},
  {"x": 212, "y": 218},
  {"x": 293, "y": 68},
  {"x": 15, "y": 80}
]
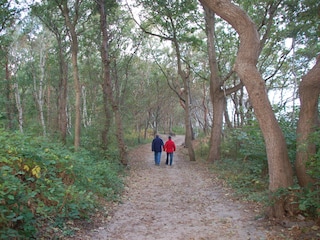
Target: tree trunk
[
  {"x": 108, "y": 83},
  {"x": 309, "y": 91},
  {"x": 60, "y": 122},
  {"x": 38, "y": 90},
  {"x": 188, "y": 137},
  {"x": 74, "y": 51},
  {"x": 19, "y": 106},
  {"x": 226, "y": 117},
  {"x": 186, "y": 104},
  {"x": 86, "y": 117},
  {"x": 77, "y": 106},
  {"x": 205, "y": 127},
  {"x": 63, "y": 90},
  {"x": 218, "y": 103},
  {"x": 280, "y": 169},
  {"x": 216, "y": 93},
  {"x": 108, "y": 117},
  {"x": 9, "y": 105}
]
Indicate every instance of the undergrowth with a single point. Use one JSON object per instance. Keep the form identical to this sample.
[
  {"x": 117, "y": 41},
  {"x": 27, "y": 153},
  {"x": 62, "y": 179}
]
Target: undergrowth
[
  {"x": 244, "y": 167},
  {"x": 43, "y": 185}
]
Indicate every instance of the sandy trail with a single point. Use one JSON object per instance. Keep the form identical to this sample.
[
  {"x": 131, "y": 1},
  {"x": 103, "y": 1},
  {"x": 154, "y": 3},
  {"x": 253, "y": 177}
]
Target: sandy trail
[{"x": 183, "y": 201}]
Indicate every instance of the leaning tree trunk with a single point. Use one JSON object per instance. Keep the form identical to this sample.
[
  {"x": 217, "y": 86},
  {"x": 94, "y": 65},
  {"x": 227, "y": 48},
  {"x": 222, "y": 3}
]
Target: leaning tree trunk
[
  {"x": 280, "y": 169},
  {"x": 309, "y": 91},
  {"x": 216, "y": 93}
]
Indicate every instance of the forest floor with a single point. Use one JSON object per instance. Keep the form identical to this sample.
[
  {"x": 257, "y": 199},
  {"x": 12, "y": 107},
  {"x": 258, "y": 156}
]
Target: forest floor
[{"x": 184, "y": 201}]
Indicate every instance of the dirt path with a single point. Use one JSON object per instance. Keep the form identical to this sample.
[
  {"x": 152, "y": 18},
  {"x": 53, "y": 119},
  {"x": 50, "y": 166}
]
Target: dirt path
[{"x": 184, "y": 201}]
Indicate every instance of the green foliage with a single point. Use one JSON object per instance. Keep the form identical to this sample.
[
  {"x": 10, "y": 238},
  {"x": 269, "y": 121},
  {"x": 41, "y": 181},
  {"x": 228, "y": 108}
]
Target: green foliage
[
  {"x": 7, "y": 14},
  {"x": 202, "y": 149},
  {"x": 102, "y": 178},
  {"x": 245, "y": 165},
  {"x": 309, "y": 200},
  {"x": 43, "y": 183},
  {"x": 247, "y": 178},
  {"x": 133, "y": 139},
  {"x": 179, "y": 130},
  {"x": 246, "y": 142},
  {"x": 16, "y": 218},
  {"x": 313, "y": 165},
  {"x": 288, "y": 123}
]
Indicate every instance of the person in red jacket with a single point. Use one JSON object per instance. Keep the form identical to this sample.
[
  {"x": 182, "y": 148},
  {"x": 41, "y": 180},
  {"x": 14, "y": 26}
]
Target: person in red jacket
[{"x": 169, "y": 147}]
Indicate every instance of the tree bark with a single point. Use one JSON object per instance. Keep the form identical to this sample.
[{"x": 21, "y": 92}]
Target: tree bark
[
  {"x": 9, "y": 103},
  {"x": 185, "y": 103},
  {"x": 18, "y": 105},
  {"x": 38, "y": 90},
  {"x": 216, "y": 93},
  {"x": 280, "y": 169},
  {"x": 205, "y": 126},
  {"x": 108, "y": 83},
  {"x": 309, "y": 91},
  {"x": 63, "y": 90},
  {"x": 188, "y": 137},
  {"x": 58, "y": 30},
  {"x": 107, "y": 122},
  {"x": 74, "y": 50}
]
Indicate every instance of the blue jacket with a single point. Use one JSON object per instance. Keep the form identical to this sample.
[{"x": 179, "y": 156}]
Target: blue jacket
[{"x": 157, "y": 144}]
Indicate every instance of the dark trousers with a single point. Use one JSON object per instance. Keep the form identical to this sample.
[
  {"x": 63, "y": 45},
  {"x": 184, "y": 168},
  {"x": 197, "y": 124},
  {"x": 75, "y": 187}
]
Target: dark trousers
[{"x": 169, "y": 157}]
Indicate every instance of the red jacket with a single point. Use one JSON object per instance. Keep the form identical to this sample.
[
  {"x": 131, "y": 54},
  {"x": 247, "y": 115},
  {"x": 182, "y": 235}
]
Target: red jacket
[{"x": 169, "y": 146}]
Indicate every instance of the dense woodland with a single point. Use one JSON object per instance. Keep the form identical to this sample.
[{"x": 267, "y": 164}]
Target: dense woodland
[{"x": 84, "y": 81}]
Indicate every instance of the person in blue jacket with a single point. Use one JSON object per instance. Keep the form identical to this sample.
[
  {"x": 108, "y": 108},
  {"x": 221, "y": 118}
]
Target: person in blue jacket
[{"x": 157, "y": 147}]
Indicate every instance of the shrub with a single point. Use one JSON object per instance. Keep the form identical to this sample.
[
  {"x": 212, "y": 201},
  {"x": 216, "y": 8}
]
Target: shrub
[
  {"x": 45, "y": 184},
  {"x": 310, "y": 197},
  {"x": 244, "y": 177}
]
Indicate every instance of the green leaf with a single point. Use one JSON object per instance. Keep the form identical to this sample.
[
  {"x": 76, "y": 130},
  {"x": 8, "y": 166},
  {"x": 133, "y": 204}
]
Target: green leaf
[{"x": 11, "y": 197}]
